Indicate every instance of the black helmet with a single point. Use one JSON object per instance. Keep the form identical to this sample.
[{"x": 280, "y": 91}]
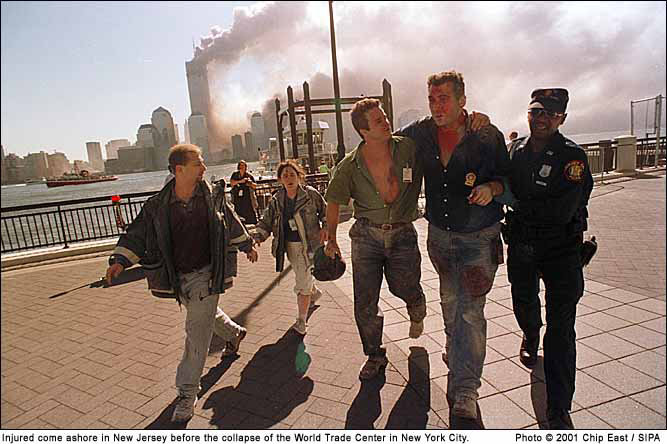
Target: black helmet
[{"x": 326, "y": 268}]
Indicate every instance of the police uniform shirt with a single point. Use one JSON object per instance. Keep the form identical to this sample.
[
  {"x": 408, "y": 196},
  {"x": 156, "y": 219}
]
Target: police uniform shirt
[{"x": 551, "y": 186}]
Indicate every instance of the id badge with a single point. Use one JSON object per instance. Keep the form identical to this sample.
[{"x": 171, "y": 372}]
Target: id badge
[
  {"x": 241, "y": 193},
  {"x": 292, "y": 224},
  {"x": 407, "y": 175}
]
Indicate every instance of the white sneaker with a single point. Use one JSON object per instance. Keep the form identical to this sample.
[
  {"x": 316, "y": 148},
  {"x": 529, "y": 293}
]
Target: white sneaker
[
  {"x": 299, "y": 326},
  {"x": 315, "y": 296},
  {"x": 185, "y": 408},
  {"x": 416, "y": 329}
]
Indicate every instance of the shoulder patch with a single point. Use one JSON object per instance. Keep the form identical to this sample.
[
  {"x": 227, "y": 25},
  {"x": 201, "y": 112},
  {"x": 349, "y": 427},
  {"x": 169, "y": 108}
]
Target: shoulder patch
[{"x": 574, "y": 170}]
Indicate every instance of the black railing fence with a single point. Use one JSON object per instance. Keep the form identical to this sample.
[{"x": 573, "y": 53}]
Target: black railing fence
[{"x": 28, "y": 227}]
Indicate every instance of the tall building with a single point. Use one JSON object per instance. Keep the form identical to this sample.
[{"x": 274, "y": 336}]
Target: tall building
[
  {"x": 113, "y": 146},
  {"x": 250, "y": 150},
  {"x": 178, "y": 137},
  {"x": 259, "y": 138},
  {"x": 199, "y": 134},
  {"x": 148, "y": 138},
  {"x": 164, "y": 123},
  {"x": 3, "y": 165},
  {"x": 237, "y": 147},
  {"x": 95, "y": 155},
  {"x": 37, "y": 165},
  {"x": 186, "y": 131},
  {"x": 200, "y": 96},
  {"x": 58, "y": 164}
]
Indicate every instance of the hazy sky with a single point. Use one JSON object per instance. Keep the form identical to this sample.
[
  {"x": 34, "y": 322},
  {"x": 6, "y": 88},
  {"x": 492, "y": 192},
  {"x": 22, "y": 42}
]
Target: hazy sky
[{"x": 74, "y": 72}]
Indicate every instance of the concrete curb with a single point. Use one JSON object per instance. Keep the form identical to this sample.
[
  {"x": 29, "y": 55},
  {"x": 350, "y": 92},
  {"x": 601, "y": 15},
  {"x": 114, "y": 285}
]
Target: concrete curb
[{"x": 30, "y": 257}]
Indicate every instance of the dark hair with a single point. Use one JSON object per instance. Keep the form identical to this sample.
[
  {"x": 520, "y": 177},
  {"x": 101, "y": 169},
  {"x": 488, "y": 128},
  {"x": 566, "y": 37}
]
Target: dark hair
[
  {"x": 178, "y": 155},
  {"x": 294, "y": 165},
  {"x": 456, "y": 78},
  {"x": 358, "y": 113}
]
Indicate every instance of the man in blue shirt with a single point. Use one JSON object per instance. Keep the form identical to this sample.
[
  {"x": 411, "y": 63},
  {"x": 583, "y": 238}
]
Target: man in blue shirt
[{"x": 462, "y": 172}]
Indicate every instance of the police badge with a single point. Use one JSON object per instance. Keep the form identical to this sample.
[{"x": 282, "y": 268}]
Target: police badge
[
  {"x": 470, "y": 179},
  {"x": 545, "y": 171}
]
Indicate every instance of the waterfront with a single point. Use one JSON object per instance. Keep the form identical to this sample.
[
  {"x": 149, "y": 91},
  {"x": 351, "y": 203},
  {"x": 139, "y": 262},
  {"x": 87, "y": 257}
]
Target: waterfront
[{"x": 13, "y": 195}]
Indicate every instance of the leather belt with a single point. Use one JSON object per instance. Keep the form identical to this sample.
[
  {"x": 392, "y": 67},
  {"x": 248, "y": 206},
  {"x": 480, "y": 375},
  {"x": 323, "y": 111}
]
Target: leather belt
[{"x": 385, "y": 227}]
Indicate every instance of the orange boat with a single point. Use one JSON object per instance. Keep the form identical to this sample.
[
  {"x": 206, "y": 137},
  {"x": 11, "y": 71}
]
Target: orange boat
[{"x": 78, "y": 179}]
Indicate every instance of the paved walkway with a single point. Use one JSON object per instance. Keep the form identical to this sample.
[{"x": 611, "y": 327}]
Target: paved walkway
[{"x": 106, "y": 357}]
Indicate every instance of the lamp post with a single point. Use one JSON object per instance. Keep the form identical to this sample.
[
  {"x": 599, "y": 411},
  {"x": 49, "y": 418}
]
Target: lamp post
[{"x": 339, "y": 117}]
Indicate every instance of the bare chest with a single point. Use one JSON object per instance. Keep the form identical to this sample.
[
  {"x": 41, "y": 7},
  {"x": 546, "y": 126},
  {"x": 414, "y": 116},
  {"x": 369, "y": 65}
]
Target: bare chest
[{"x": 386, "y": 182}]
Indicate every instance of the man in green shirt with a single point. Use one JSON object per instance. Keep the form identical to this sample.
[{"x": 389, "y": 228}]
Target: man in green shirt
[{"x": 384, "y": 179}]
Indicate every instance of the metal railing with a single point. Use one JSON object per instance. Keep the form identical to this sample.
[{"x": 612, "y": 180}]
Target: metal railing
[
  {"x": 602, "y": 155},
  {"x": 28, "y": 227}
]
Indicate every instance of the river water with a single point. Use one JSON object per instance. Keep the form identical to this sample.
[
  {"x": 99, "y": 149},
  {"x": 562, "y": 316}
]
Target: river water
[{"x": 13, "y": 195}]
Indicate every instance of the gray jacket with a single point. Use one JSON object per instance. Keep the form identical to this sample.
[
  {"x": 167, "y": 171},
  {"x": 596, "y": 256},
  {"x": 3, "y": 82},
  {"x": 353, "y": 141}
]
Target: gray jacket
[
  {"x": 309, "y": 215},
  {"x": 148, "y": 241}
]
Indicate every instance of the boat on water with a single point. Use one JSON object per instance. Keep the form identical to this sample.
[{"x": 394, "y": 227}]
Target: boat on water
[
  {"x": 41, "y": 180},
  {"x": 82, "y": 178}
]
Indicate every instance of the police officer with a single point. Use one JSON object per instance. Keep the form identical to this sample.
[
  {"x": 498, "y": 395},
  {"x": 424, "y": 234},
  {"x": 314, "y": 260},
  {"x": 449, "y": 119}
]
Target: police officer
[{"x": 551, "y": 182}]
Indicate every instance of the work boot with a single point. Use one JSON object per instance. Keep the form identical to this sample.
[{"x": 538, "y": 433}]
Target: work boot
[
  {"x": 232, "y": 347},
  {"x": 528, "y": 350}
]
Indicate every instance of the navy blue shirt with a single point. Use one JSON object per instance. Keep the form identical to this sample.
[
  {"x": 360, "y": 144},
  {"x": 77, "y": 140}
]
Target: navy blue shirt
[
  {"x": 478, "y": 158},
  {"x": 553, "y": 186}
]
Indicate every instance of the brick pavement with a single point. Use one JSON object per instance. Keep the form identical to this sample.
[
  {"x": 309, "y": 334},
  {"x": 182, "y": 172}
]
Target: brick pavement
[{"x": 106, "y": 357}]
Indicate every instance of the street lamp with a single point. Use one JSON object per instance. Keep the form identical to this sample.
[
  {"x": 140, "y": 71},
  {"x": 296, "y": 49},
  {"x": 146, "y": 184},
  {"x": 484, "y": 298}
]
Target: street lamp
[{"x": 339, "y": 117}]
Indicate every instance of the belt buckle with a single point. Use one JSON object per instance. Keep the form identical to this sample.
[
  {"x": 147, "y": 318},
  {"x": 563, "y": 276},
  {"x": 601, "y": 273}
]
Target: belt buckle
[{"x": 386, "y": 227}]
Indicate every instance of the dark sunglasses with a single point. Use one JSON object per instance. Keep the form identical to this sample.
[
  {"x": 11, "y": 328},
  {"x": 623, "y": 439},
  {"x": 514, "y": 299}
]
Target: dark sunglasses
[{"x": 537, "y": 112}]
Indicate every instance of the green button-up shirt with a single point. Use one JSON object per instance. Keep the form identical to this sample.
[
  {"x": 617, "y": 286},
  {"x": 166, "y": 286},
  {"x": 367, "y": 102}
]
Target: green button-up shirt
[{"x": 351, "y": 179}]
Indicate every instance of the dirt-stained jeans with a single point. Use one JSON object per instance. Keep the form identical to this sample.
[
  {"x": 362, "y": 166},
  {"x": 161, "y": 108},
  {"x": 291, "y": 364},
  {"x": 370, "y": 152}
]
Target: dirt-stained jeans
[
  {"x": 203, "y": 318},
  {"x": 394, "y": 254},
  {"x": 466, "y": 264}
]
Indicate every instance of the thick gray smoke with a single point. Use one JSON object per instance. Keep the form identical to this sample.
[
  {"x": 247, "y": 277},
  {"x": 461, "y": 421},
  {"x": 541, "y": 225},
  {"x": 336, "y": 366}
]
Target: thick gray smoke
[{"x": 606, "y": 54}]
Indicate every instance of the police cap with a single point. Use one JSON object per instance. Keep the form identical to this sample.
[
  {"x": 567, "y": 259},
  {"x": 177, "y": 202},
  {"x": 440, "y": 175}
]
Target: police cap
[
  {"x": 326, "y": 268},
  {"x": 551, "y": 99}
]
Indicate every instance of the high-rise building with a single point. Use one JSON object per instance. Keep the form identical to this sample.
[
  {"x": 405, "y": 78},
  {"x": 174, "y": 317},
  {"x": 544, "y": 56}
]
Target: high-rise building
[
  {"x": 164, "y": 123},
  {"x": 95, "y": 155},
  {"x": 259, "y": 138},
  {"x": 200, "y": 96},
  {"x": 3, "y": 165},
  {"x": 178, "y": 137},
  {"x": 58, "y": 164},
  {"x": 113, "y": 146},
  {"x": 199, "y": 134},
  {"x": 250, "y": 151},
  {"x": 148, "y": 138},
  {"x": 237, "y": 147},
  {"x": 186, "y": 131}
]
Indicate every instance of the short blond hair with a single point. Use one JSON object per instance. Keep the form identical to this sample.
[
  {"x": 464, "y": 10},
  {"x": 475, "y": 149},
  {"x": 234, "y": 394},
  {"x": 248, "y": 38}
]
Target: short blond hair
[
  {"x": 178, "y": 155},
  {"x": 456, "y": 78}
]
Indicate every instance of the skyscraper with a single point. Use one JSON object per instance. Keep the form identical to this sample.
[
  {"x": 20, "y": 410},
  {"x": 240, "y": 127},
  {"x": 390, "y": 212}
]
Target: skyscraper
[
  {"x": 161, "y": 119},
  {"x": 259, "y": 138},
  {"x": 250, "y": 149},
  {"x": 114, "y": 145},
  {"x": 95, "y": 155},
  {"x": 199, "y": 134},
  {"x": 237, "y": 147}
]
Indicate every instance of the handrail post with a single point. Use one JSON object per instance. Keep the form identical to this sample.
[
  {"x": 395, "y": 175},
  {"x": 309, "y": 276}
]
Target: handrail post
[{"x": 62, "y": 226}]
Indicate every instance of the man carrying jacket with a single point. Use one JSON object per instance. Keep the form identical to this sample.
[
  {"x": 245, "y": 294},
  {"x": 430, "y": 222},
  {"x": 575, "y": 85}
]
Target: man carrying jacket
[{"x": 185, "y": 237}]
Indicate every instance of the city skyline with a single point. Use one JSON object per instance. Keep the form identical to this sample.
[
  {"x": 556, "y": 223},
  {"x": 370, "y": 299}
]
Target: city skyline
[{"x": 90, "y": 71}]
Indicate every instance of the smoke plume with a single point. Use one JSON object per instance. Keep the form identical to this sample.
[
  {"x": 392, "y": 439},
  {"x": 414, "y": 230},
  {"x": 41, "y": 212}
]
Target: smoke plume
[{"x": 605, "y": 54}]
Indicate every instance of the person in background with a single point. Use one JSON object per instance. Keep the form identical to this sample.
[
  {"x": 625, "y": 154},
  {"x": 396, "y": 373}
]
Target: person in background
[
  {"x": 549, "y": 187},
  {"x": 296, "y": 215},
  {"x": 513, "y": 135},
  {"x": 186, "y": 238},
  {"x": 243, "y": 183}
]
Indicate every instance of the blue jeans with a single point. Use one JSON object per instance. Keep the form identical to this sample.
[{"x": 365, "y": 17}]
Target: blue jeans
[
  {"x": 466, "y": 264},
  {"x": 394, "y": 254}
]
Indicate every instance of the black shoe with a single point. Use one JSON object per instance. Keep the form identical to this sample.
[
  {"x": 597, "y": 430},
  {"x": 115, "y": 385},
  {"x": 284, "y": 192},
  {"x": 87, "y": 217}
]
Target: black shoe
[
  {"x": 528, "y": 350},
  {"x": 559, "y": 419}
]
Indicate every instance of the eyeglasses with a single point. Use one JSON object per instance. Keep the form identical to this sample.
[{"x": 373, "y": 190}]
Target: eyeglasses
[{"x": 537, "y": 112}]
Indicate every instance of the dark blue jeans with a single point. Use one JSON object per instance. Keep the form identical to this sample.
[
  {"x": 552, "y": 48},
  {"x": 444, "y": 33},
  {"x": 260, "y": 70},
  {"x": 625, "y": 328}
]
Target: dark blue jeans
[
  {"x": 466, "y": 264},
  {"x": 395, "y": 255}
]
